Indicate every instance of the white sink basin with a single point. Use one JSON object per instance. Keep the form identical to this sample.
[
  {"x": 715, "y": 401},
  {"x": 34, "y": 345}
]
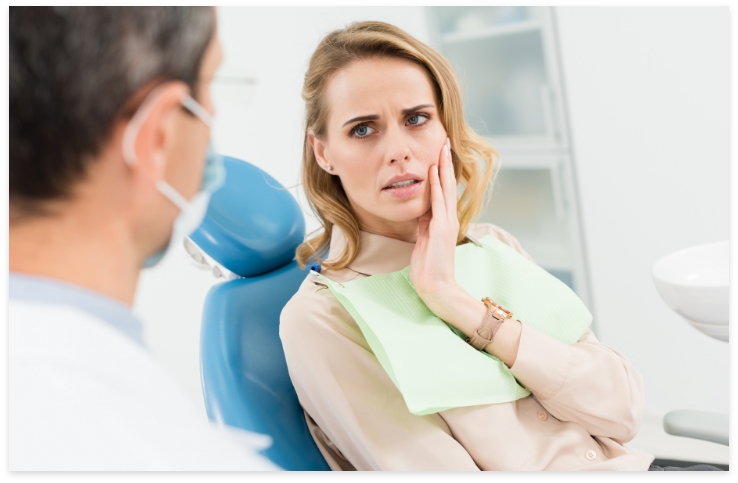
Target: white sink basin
[{"x": 694, "y": 283}]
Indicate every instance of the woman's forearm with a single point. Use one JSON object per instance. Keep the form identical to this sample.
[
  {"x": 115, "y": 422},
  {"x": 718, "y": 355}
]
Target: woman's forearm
[
  {"x": 458, "y": 308},
  {"x": 586, "y": 382}
]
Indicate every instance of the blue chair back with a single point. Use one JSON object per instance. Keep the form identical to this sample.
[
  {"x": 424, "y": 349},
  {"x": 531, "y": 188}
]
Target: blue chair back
[{"x": 251, "y": 229}]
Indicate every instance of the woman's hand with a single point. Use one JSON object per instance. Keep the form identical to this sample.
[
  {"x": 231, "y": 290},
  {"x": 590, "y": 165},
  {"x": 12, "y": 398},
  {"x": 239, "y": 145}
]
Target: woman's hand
[
  {"x": 432, "y": 265},
  {"x": 432, "y": 261}
]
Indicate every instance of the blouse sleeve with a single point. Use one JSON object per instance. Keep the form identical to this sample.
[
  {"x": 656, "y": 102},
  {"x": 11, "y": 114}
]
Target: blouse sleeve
[
  {"x": 587, "y": 382},
  {"x": 344, "y": 389}
]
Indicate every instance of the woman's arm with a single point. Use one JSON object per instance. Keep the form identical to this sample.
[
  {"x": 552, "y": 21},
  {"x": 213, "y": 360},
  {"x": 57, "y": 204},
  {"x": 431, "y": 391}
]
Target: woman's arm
[
  {"x": 432, "y": 265},
  {"x": 587, "y": 382},
  {"x": 466, "y": 314}
]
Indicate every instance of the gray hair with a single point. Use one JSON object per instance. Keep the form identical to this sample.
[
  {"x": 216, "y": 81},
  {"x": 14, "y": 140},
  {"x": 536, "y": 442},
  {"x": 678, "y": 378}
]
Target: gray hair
[{"x": 72, "y": 70}]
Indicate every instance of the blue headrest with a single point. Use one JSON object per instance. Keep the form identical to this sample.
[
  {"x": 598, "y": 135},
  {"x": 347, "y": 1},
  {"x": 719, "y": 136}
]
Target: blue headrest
[{"x": 253, "y": 224}]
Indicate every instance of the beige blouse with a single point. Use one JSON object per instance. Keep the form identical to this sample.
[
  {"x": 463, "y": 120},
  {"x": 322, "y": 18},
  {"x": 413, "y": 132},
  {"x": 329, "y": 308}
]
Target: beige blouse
[{"x": 586, "y": 400}]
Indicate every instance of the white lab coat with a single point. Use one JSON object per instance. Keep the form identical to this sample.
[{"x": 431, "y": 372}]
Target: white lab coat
[{"x": 84, "y": 396}]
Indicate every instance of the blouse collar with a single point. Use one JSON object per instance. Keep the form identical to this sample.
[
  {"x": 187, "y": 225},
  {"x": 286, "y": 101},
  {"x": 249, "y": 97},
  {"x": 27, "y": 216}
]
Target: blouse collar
[{"x": 377, "y": 254}]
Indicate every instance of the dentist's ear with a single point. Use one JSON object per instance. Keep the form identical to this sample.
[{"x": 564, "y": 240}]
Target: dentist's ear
[
  {"x": 319, "y": 151},
  {"x": 153, "y": 132}
]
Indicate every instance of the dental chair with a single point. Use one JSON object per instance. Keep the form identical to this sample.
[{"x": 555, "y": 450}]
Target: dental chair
[{"x": 248, "y": 238}]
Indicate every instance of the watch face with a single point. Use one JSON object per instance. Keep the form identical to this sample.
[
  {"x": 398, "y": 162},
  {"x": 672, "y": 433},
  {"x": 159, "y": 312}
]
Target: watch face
[
  {"x": 488, "y": 303},
  {"x": 499, "y": 311}
]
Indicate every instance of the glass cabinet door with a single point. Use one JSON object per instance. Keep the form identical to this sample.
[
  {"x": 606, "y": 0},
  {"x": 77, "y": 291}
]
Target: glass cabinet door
[
  {"x": 507, "y": 63},
  {"x": 533, "y": 201},
  {"x": 499, "y": 54}
]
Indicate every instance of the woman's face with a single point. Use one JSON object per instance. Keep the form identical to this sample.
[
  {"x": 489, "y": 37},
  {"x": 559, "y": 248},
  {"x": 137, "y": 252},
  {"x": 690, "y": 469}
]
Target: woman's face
[{"x": 382, "y": 135}]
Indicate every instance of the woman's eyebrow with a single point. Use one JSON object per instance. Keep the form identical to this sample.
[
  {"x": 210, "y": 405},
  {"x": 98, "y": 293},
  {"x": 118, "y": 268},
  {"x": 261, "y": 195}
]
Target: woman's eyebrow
[
  {"x": 374, "y": 117},
  {"x": 416, "y": 108}
]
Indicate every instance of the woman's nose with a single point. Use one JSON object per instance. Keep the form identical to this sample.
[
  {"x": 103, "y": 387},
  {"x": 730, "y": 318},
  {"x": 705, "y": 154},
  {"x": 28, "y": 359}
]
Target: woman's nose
[
  {"x": 398, "y": 148},
  {"x": 404, "y": 158}
]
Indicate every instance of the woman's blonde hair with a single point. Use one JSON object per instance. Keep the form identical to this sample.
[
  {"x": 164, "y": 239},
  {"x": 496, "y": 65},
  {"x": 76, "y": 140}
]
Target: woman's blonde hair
[{"x": 324, "y": 191}]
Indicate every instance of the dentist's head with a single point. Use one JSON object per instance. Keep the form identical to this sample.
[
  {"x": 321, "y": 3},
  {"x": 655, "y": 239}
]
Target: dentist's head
[{"x": 110, "y": 113}]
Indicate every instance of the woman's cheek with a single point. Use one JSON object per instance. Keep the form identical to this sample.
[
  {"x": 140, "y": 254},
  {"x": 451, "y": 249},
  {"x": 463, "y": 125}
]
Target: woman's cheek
[
  {"x": 359, "y": 183},
  {"x": 432, "y": 144}
]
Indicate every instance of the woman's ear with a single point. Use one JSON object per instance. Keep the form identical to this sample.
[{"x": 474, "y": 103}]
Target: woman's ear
[{"x": 319, "y": 151}]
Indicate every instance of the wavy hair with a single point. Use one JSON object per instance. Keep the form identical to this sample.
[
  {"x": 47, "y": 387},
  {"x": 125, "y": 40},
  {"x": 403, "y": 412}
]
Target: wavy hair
[{"x": 473, "y": 158}]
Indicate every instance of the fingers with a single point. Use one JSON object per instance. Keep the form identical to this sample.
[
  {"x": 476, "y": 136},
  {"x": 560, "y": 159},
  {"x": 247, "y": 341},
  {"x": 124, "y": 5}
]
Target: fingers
[
  {"x": 438, "y": 204},
  {"x": 448, "y": 181},
  {"x": 423, "y": 224}
]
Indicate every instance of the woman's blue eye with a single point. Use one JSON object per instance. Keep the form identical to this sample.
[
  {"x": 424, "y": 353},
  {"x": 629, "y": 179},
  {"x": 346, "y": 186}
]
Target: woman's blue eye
[
  {"x": 361, "y": 131},
  {"x": 417, "y": 119}
]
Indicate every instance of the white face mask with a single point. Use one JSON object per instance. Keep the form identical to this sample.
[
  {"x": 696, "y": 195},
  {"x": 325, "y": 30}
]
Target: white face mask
[{"x": 191, "y": 212}]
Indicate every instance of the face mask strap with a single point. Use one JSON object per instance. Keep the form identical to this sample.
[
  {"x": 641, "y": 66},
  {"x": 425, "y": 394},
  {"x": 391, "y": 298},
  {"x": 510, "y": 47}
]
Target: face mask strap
[
  {"x": 129, "y": 138},
  {"x": 195, "y": 108},
  {"x": 172, "y": 194},
  {"x": 131, "y": 132},
  {"x": 143, "y": 112}
]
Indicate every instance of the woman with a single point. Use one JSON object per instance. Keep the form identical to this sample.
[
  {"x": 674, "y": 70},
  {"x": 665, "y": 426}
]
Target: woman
[{"x": 384, "y": 147}]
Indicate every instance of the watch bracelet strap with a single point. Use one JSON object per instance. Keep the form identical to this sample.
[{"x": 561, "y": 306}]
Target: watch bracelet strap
[{"x": 486, "y": 331}]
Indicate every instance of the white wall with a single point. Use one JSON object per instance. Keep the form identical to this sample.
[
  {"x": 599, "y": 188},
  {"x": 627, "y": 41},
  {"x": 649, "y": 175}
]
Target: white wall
[
  {"x": 648, "y": 97},
  {"x": 648, "y": 101}
]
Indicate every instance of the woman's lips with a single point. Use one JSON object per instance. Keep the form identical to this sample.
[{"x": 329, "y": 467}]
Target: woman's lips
[{"x": 404, "y": 192}]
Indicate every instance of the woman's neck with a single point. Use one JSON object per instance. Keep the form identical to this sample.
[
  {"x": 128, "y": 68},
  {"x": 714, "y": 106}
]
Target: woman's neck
[{"x": 406, "y": 231}]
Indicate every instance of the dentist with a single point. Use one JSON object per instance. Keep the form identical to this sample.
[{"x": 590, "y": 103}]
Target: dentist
[{"x": 110, "y": 163}]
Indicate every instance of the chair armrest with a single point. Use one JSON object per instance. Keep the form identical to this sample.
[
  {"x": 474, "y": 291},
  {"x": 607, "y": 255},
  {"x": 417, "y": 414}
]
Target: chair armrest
[{"x": 698, "y": 425}]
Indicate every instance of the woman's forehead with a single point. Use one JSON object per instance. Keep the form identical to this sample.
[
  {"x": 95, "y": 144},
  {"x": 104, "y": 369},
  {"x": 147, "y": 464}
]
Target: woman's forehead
[{"x": 368, "y": 86}]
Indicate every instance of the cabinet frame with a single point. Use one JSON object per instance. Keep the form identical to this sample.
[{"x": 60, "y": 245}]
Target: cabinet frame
[{"x": 553, "y": 151}]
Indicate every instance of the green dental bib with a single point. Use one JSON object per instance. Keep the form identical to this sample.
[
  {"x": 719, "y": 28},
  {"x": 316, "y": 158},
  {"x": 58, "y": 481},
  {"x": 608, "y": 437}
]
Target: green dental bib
[{"x": 427, "y": 359}]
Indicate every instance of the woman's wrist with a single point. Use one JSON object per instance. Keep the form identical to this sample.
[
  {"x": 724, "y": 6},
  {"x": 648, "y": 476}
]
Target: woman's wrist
[
  {"x": 454, "y": 305},
  {"x": 506, "y": 341}
]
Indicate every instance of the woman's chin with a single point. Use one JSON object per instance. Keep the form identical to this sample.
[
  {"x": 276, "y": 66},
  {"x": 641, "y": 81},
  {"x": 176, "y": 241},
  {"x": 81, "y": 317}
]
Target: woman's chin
[{"x": 409, "y": 212}]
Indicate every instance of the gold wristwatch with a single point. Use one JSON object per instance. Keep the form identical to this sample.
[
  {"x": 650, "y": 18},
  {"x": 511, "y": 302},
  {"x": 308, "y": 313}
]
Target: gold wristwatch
[{"x": 496, "y": 315}]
